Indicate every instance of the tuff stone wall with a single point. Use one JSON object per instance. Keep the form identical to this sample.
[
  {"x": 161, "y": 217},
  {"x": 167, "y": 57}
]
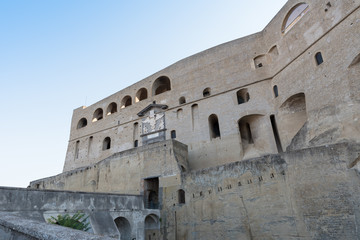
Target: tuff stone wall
[
  {"x": 268, "y": 135},
  {"x": 124, "y": 172},
  {"x": 20, "y": 228},
  {"x": 287, "y": 60},
  {"x": 24, "y": 212},
  {"x": 304, "y": 194}
]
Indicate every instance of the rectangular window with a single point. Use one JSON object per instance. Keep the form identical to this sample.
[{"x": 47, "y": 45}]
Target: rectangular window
[{"x": 173, "y": 134}]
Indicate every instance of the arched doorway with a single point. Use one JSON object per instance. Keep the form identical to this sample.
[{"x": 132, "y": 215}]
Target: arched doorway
[
  {"x": 152, "y": 227},
  {"x": 124, "y": 228}
]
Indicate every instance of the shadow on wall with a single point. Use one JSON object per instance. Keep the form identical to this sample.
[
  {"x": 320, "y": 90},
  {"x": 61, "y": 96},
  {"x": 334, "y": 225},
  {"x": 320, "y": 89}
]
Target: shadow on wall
[
  {"x": 123, "y": 225},
  {"x": 250, "y": 128},
  {"x": 291, "y": 118}
]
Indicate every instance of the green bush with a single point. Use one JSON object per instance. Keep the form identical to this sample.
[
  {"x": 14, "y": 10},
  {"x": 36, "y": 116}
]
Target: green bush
[{"x": 77, "y": 221}]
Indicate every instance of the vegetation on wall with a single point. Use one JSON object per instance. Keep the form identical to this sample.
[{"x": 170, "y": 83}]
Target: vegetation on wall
[{"x": 77, "y": 221}]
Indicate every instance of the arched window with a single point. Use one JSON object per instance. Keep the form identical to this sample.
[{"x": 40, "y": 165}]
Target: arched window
[
  {"x": 182, "y": 100},
  {"x": 98, "y": 115},
  {"x": 206, "y": 92},
  {"x": 162, "y": 84},
  {"x": 173, "y": 134},
  {"x": 181, "y": 196},
  {"x": 319, "y": 59},
  {"x": 214, "y": 126},
  {"x": 294, "y": 16},
  {"x": 112, "y": 108},
  {"x": 82, "y": 123},
  {"x": 106, "y": 143},
  {"x": 126, "y": 101},
  {"x": 242, "y": 96},
  {"x": 276, "y": 92},
  {"x": 136, "y": 143},
  {"x": 141, "y": 95}
]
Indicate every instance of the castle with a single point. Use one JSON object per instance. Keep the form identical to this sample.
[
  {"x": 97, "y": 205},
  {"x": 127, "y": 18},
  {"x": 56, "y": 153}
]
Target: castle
[{"x": 257, "y": 138}]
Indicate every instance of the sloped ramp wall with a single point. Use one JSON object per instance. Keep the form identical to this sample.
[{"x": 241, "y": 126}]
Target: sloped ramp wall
[
  {"x": 23, "y": 213},
  {"x": 17, "y": 227},
  {"x": 122, "y": 172}
]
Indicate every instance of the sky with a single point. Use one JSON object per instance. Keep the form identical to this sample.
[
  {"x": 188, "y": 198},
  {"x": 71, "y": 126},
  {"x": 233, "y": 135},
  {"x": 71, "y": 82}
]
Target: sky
[{"x": 58, "y": 55}]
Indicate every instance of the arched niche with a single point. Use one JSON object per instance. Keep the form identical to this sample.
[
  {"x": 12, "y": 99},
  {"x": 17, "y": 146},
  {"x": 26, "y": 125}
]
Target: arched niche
[
  {"x": 182, "y": 100},
  {"x": 124, "y": 228},
  {"x": 106, "y": 143},
  {"x": 98, "y": 115},
  {"x": 214, "y": 127},
  {"x": 126, "y": 101},
  {"x": 206, "y": 92},
  {"x": 141, "y": 94},
  {"x": 112, "y": 108},
  {"x": 242, "y": 96},
  {"x": 251, "y": 129},
  {"x": 152, "y": 227},
  {"x": 160, "y": 85},
  {"x": 82, "y": 123}
]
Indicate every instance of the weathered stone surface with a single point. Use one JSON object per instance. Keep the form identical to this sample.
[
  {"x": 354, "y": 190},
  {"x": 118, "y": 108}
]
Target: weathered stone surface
[
  {"x": 233, "y": 110},
  {"x": 304, "y": 194},
  {"x": 20, "y": 228},
  {"x": 324, "y": 96},
  {"x": 124, "y": 171},
  {"x": 34, "y": 207}
]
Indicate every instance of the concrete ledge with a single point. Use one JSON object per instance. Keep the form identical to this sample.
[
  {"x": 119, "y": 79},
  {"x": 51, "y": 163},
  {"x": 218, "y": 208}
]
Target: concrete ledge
[{"x": 16, "y": 227}]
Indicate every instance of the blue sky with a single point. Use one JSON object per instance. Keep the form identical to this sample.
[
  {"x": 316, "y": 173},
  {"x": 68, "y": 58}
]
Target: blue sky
[{"x": 57, "y": 55}]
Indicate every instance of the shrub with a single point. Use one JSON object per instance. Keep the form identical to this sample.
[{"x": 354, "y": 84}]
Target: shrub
[{"x": 77, "y": 221}]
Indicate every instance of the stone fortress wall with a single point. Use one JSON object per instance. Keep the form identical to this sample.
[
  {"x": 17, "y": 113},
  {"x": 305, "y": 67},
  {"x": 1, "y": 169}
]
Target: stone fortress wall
[
  {"x": 124, "y": 173},
  {"x": 310, "y": 193},
  {"x": 252, "y": 65},
  {"x": 23, "y": 213},
  {"x": 257, "y": 138}
]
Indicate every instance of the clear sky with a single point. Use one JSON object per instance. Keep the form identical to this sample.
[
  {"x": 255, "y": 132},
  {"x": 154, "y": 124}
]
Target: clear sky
[{"x": 58, "y": 55}]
